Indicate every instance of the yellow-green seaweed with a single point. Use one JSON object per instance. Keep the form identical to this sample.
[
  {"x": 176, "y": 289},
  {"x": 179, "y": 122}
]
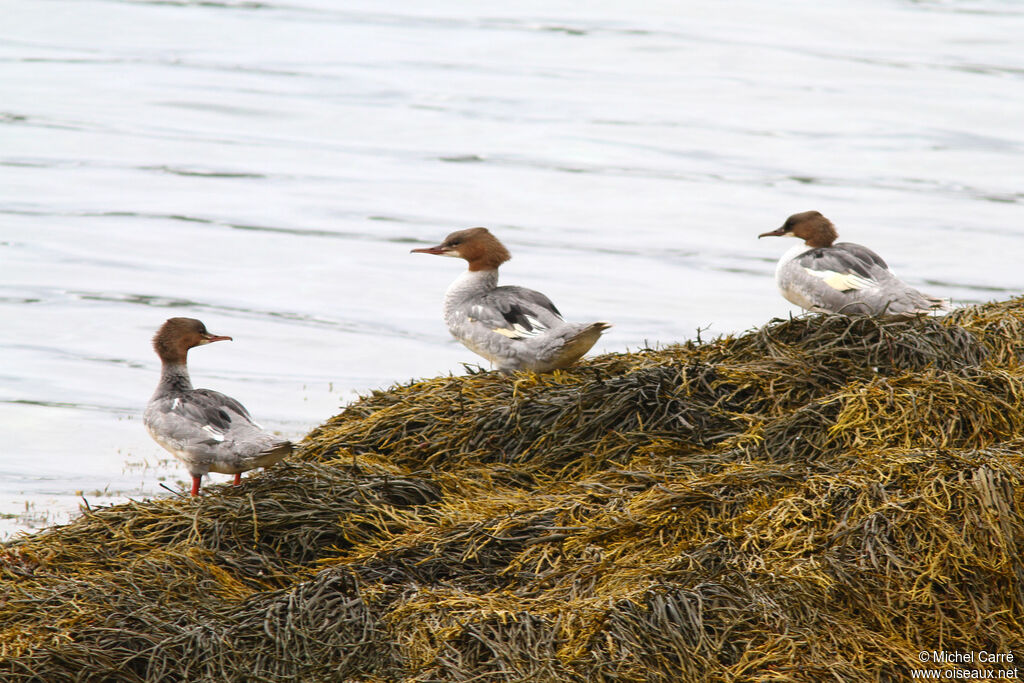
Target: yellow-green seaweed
[{"x": 821, "y": 498}]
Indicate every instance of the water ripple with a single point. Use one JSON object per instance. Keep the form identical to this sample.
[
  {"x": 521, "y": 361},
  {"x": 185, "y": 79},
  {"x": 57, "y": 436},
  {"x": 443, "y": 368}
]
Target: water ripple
[{"x": 358, "y": 327}]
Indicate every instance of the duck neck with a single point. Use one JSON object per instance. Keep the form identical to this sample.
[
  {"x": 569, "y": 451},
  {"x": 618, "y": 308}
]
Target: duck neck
[
  {"x": 471, "y": 284},
  {"x": 794, "y": 251},
  {"x": 174, "y": 379},
  {"x": 791, "y": 253}
]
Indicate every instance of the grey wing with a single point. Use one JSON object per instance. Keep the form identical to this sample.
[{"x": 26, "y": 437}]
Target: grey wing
[
  {"x": 861, "y": 253},
  {"x": 516, "y": 312},
  {"x": 196, "y": 420},
  {"x": 531, "y": 296},
  {"x": 213, "y": 404},
  {"x": 844, "y": 266}
]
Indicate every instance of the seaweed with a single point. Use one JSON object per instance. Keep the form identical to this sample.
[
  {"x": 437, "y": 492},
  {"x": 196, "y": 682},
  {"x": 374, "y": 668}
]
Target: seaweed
[{"x": 820, "y": 498}]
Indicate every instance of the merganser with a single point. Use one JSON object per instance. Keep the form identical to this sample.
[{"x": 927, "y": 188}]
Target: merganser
[
  {"x": 513, "y": 327},
  {"x": 846, "y": 278},
  {"x": 205, "y": 429}
]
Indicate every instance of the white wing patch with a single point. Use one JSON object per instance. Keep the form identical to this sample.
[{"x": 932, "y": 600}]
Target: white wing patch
[
  {"x": 517, "y": 331},
  {"x": 214, "y": 433},
  {"x": 537, "y": 326},
  {"x": 842, "y": 282},
  {"x": 175, "y": 403}
]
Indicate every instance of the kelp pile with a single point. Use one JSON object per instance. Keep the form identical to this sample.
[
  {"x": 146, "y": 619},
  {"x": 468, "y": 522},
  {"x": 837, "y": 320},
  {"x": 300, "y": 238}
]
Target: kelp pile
[{"x": 819, "y": 499}]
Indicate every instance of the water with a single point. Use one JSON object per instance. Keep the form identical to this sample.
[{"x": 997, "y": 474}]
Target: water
[{"x": 266, "y": 167}]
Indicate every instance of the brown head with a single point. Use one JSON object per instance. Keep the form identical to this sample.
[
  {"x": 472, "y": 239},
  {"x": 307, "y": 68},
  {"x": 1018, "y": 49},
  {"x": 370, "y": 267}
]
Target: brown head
[
  {"x": 176, "y": 336},
  {"x": 476, "y": 245},
  {"x": 810, "y": 226}
]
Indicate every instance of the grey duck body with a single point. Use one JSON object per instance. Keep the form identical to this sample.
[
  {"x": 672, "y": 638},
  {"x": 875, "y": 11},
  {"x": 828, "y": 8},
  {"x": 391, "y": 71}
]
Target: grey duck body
[
  {"x": 825, "y": 276},
  {"x": 204, "y": 429}
]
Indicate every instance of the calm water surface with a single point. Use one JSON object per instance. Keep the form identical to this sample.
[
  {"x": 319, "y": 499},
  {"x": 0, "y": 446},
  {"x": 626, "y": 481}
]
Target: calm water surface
[{"x": 266, "y": 167}]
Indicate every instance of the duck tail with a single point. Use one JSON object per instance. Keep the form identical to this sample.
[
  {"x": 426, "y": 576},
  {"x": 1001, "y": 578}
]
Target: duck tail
[
  {"x": 276, "y": 452},
  {"x": 579, "y": 343}
]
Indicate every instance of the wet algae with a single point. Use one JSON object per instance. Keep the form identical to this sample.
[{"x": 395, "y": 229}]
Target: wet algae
[{"x": 818, "y": 499}]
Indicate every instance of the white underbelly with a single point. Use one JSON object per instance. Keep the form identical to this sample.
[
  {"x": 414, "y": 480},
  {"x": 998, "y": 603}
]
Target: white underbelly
[{"x": 796, "y": 296}]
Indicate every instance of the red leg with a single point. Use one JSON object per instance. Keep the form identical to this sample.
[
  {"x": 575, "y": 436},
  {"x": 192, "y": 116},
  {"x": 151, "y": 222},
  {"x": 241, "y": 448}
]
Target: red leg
[
  {"x": 196, "y": 478},
  {"x": 238, "y": 479}
]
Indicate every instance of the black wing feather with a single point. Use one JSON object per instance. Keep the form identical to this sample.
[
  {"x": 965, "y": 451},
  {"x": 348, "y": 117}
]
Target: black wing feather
[{"x": 516, "y": 314}]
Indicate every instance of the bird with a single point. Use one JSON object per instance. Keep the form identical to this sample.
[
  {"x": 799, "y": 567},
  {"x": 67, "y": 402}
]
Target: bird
[
  {"x": 515, "y": 328},
  {"x": 825, "y": 276},
  {"x": 204, "y": 429}
]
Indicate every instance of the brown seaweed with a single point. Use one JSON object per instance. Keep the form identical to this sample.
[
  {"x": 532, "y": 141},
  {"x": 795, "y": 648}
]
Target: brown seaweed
[{"x": 818, "y": 499}]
